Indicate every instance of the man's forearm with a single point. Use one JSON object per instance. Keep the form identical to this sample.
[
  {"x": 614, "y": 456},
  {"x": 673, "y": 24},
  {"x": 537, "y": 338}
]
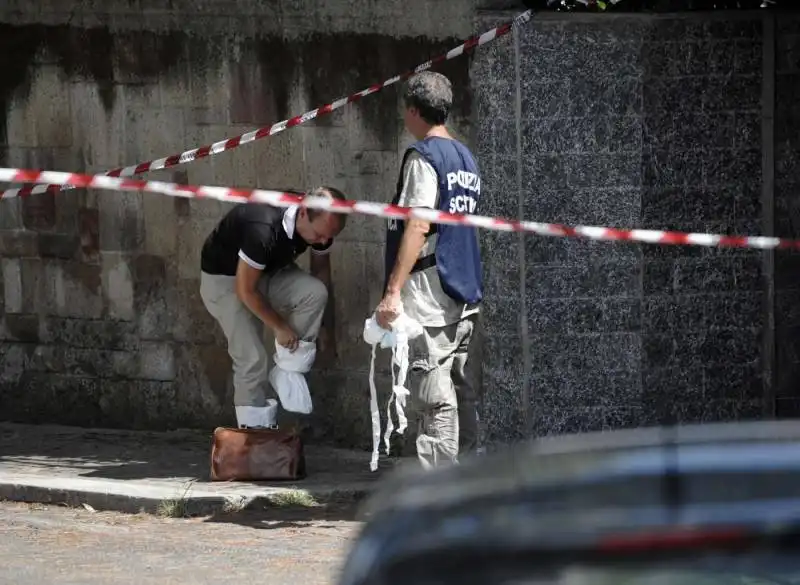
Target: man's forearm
[
  {"x": 261, "y": 309},
  {"x": 410, "y": 247}
]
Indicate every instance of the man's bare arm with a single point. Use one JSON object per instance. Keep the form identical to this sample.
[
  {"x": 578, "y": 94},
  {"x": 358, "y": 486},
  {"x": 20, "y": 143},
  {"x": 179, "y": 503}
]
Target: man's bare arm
[
  {"x": 410, "y": 247},
  {"x": 420, "y": 189},
  {"x": 246, "y": 289}
]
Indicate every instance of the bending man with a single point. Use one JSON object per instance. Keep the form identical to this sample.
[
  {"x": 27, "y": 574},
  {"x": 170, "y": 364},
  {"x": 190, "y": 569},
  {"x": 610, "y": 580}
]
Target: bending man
[
  {"x": 249, "y": 279},
  {"x": 433, "y": 272}
]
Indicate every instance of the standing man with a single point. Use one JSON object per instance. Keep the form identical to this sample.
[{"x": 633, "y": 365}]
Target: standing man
[
  {"x": 249, "y": 279},
  {"x": 433, "y": 272}
]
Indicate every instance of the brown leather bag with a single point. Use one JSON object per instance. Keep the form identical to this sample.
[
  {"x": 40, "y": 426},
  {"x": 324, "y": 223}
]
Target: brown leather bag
[{"x": 256, "y": 455}]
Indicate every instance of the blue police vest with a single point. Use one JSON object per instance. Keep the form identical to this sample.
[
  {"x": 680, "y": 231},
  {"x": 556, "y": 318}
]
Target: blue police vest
[{"x": 457, "y": 256}]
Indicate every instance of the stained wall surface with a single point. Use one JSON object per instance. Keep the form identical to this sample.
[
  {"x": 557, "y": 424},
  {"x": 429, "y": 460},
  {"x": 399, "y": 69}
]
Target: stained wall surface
[{"x": 101, "y": 323}]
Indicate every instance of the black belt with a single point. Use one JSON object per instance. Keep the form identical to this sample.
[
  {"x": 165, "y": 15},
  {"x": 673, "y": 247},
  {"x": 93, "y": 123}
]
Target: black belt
[
  {"x": 430, "y": 259},
  {"x": 423, "y": 263}
]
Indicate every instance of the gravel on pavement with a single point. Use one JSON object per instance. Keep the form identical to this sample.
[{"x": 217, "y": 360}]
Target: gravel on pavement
[{"x": 46, "y": 544}]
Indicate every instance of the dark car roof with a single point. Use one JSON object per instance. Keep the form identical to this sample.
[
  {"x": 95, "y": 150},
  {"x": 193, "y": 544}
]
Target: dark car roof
[
  {"x": 577, "y": 492},
  {"x": 644, "y": 453}
]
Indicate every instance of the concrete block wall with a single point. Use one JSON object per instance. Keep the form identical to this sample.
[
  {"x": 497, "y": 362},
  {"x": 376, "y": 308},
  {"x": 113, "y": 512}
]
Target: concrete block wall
[{"x": 100, "y": 317}]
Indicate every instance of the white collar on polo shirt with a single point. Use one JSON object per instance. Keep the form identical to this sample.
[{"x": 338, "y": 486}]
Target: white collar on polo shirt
[{"x": 289, "y": 220}]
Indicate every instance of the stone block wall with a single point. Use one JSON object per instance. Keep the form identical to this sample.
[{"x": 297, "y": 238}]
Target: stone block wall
[
  {"x": 101, "y": 323},
  {"x": 702, "y": 319},
  {"x": 633, "y": 121}
]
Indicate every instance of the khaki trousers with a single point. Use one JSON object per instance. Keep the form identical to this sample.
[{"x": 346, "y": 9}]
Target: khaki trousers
[
  {"x": 444, "y": 400},
  {"x": 296, "y": 295}
]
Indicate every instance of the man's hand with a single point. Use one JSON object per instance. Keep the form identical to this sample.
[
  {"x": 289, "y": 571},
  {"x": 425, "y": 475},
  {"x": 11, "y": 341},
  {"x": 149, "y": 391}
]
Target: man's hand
[
  {"x": 388, "y": 309},
  {"x": 286, "y": 337}
]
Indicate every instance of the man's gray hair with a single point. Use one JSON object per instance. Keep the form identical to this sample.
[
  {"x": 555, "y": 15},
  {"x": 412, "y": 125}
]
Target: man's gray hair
[{"x": 431, "y": 94}]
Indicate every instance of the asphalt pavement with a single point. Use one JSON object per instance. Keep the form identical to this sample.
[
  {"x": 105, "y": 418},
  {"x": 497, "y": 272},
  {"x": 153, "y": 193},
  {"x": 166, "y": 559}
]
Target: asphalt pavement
[{"x": 49, "y": 545}]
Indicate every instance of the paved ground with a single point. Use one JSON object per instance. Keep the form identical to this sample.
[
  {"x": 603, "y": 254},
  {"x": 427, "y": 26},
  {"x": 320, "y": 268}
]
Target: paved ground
[
  {"x": 129, "y": 471},
  {"x": 48, "y": 545}
]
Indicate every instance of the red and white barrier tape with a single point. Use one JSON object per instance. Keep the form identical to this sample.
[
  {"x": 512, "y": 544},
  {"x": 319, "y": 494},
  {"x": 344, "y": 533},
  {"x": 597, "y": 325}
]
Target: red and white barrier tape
[
  {"x": 282, "y": 199},
  {"x": 231, "y": 143}
]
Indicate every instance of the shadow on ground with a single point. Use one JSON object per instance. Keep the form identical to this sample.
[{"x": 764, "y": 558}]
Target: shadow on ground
[
  {"x": 274, "y": 518},
  {"x": 135, "y": 455}
]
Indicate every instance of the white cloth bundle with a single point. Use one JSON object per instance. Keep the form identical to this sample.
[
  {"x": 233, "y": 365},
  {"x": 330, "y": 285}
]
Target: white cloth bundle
[
  {"x": 287, "y": 376},
  {"x": 403, "y": 329}
]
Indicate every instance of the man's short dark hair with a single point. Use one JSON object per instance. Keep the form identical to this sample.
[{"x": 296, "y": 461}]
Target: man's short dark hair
[
  {"x": 331, "y": 192},
  {"x": 431, "y": 94}
]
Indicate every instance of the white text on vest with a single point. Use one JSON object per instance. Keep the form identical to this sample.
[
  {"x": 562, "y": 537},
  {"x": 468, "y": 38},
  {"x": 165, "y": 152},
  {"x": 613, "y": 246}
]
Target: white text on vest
[
  {"x": 468, "y": 181},
  {"x": 463, "y": 204},
  {"x": 465, "y": 180}
]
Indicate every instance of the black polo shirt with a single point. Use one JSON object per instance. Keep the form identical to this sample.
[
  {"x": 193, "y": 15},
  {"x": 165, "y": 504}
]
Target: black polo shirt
[{"x": 262, "y": 235}]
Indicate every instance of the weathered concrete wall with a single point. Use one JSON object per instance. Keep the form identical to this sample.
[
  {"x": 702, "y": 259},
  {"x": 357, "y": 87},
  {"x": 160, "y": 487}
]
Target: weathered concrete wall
[
  {"x": 635, "y": 121},
  {"x": 287, "y": 19},
  {"x": 100, "y": 318}
]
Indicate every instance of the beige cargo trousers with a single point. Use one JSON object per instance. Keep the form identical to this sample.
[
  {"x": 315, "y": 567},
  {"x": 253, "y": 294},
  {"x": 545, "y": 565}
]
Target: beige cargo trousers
[
  {"x": 441, "y": 393},
  {"x": 296, "y": 295}
]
